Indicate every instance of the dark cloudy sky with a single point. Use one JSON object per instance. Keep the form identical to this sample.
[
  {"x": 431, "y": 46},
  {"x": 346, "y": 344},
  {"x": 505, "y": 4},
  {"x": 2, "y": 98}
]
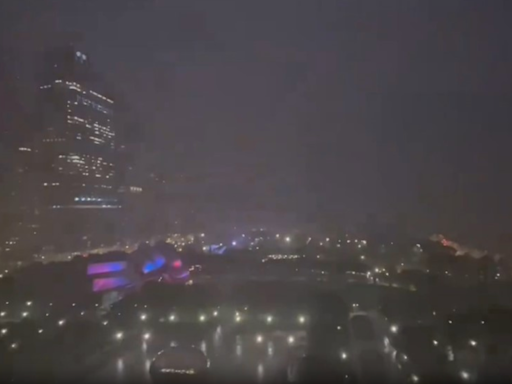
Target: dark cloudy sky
[{"x": 333, "y": 109}]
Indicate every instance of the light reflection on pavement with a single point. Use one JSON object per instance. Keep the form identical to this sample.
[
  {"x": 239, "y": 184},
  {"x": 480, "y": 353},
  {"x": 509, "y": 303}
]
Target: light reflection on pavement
[{"x": 239, "y": 358}]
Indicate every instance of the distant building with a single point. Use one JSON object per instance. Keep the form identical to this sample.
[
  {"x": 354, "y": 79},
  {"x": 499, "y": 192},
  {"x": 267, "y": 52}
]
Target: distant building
[
  {"x": 76, "y": 152},
  {"x": 77, "y": 144}
]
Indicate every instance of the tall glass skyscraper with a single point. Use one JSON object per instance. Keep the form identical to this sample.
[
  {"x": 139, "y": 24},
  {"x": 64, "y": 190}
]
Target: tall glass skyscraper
[{"x": 76, "y": 147}]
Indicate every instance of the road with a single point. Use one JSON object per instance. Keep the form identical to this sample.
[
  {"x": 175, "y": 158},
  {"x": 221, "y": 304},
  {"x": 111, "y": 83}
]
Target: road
[{"x": 246, "y": 358}]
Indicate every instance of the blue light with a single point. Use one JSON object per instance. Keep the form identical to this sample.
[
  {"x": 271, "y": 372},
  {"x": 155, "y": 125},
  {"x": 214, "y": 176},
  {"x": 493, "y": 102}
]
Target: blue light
[{"x": 153, "y": 265}]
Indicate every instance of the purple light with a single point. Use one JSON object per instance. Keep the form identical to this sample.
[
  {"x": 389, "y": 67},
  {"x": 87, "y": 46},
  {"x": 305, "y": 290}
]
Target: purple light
[
  {"x": 95, "y": 269},
  {"x": 183, "y": 275},
  {"x": 109, "y": 283}
]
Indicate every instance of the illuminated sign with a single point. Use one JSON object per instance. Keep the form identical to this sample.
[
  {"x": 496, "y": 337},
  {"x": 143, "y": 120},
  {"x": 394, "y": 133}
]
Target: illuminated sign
[{"x": 95, "y": 269}]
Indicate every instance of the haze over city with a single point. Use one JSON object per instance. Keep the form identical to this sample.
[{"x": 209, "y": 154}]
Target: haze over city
[
  {"x": 255, "y": 191},
  {"x": 328, "y": 112}
]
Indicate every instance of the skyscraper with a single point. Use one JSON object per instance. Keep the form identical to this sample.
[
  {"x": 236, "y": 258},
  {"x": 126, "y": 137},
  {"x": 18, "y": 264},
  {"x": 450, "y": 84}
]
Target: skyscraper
[{"x": 76, "y": 150}]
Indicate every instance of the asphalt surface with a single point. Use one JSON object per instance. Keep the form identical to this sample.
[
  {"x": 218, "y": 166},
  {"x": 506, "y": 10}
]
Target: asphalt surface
[{"x": 251, "y": 357}]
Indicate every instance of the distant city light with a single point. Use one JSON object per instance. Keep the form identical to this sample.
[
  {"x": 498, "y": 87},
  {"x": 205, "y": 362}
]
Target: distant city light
[
  {"x": 215, "y": 313},
  {"x": 473, "y": 343},
  {"x": 147, "y": 336},
  {"x": 29, "y": 303},
  {"x": 3, "y": 331},
  {"x": 259, "y": 338},
  {"x": 464, "y": 375},
  {"x": 202, "y": 318},
  {"x": 291, "y": 340},
  {"x": 302, "y": 319},
  {"x": 61, "y": 322},
  {"x": 233, "y": 243},
  {"x": 394, "y": 329},
  {"x": 119, "y": 335},
  {"x": 269, "y": 319},
  {"x": 24, "y": 314},
  {"x": 143, "y": 317},
  {"x": 287, "y": 239}
]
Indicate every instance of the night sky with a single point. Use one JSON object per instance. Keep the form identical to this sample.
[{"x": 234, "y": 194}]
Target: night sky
[{"x": 334, "y": 110}]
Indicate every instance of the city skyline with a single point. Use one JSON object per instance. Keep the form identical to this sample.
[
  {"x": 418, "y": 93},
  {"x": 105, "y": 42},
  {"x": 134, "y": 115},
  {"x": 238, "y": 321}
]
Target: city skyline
[{"x": 308, "y": 117}]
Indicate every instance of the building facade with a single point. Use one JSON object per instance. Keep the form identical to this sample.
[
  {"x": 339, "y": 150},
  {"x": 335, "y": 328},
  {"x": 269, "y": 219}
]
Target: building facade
[{"x": 76, "y": 153}]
